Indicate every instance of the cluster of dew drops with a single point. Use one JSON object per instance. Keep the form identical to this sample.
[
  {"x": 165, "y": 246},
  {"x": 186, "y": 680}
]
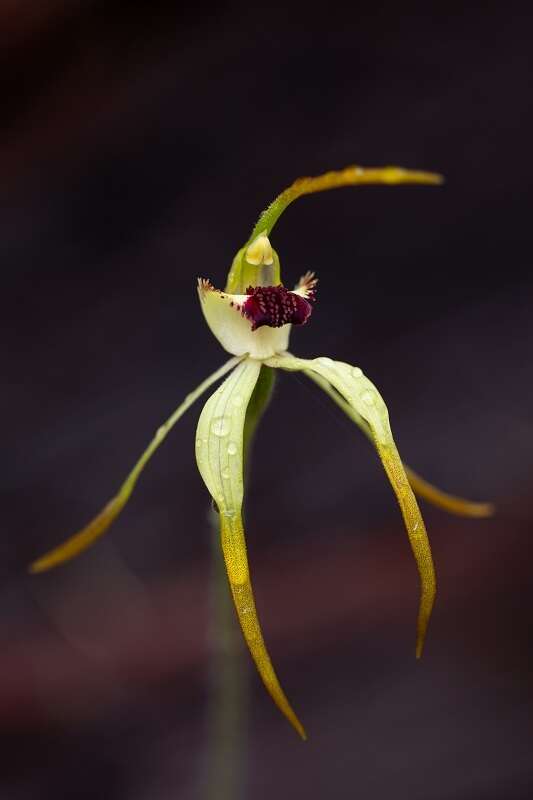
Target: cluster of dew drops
[{"x": 220, "y": 427}]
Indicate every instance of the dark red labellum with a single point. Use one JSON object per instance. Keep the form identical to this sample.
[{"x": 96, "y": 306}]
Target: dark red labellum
[{"x": 275, "y": 306}]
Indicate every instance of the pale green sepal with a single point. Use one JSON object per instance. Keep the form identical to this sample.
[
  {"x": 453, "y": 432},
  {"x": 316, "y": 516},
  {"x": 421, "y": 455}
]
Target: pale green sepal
[
  {"x": 421, "y": 487},
  {"x": 364, "y": 398},
  {"x": 98, "y": 526},
  {"x": 220, "y": 456}
]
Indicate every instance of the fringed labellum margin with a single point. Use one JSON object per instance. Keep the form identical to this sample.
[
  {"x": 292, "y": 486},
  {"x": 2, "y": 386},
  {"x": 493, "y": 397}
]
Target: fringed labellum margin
[{"x": 257, "y": 323}]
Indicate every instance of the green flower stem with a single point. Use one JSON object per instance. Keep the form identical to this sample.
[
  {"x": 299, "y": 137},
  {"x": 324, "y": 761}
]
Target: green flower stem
[
  {"x": 257, "y": 406},
  {"x": 229, "y": 675},
  {"x": 228, "y": 692}
]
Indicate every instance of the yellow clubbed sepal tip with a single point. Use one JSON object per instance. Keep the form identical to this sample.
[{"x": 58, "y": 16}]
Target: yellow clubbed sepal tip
[
  {"x": 81, "y": 540},
  {"x": 236, "y": 560},
  {"x": 448, "y": 502}
]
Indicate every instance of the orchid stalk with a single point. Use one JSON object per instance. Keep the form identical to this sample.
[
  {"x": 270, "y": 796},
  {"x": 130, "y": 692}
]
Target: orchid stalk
[{"x": 252, "y": 319}]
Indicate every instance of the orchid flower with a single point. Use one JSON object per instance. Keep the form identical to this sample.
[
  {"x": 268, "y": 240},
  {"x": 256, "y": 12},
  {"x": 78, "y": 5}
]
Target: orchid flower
[{"x": 252, "y": 319}]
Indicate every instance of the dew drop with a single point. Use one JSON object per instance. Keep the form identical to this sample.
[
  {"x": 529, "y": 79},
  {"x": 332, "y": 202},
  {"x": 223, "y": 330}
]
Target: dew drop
[
  {"x": 225, "y": 473},
  {"x": 198, "y": 443},
  {"x": 325, "y": 361},
  {"x": 232, "y": 448},
  {"x": 368, "y": 398},
  {"x": 160, "y": 432},
  {"x": 220, "y": 426},
  {"x": 357, "y": 372}
]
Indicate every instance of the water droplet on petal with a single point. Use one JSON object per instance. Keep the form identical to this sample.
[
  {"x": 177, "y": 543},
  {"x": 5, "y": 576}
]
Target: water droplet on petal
[
  {"x": 225, "y": 473},
  {"x": 232, "y": 448},
  {"x": 369, "y": 398},
  {"x": 325, "y": 361},
  {"x": 198, "y": 443},
  {"x": 357, "y": 372},
  {"x": 220, "y": 426},
  {"x": 160, "y": 432}
]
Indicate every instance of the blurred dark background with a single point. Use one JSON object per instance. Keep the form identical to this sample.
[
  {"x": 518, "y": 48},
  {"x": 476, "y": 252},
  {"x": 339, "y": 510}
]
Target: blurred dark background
[{"x": 138, "y": 143}]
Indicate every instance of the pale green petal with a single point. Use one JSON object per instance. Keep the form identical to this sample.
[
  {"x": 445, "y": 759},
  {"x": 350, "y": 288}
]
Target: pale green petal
[
  {"x": 219, "y": 453},
  {"x": 98, "y": 526},
  {"x": 366, "y": 401},
  {"x": 421, "y": 487}
]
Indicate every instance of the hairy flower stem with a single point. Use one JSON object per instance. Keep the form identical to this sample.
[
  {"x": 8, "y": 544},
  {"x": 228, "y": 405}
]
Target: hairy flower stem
[{"x": 229, "y": 675}]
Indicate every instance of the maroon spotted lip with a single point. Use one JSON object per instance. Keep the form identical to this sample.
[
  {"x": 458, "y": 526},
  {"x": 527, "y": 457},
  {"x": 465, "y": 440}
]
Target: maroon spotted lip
[{"x": 275, "y": 306}]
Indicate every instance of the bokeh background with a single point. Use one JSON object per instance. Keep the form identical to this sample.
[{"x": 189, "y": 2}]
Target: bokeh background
[{"x": 138, "y": 143}]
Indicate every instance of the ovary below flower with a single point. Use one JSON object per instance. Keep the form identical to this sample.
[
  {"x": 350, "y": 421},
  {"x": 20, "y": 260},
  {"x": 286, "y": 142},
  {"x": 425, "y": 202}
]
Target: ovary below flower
[{"x": 252, "y": 319}]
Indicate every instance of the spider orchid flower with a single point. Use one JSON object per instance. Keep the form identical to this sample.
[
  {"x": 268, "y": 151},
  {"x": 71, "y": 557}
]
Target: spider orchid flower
[{"x": 252, "y": 319}]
